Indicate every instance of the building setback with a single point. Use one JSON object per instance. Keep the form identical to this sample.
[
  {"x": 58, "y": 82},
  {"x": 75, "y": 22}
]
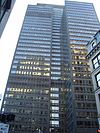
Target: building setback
[
  {"x": 49, "y": 86},
  {"x": 82, "y": 24}
]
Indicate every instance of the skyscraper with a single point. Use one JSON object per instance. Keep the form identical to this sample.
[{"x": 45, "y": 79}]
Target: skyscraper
[
  {"x": 35, "y": 83},
  {"x": 82, "y": 24},
  {"x": 49, "y": 86}
]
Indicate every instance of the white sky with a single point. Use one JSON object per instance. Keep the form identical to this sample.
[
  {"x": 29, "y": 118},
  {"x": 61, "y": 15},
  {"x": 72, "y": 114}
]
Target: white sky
[{"x": 10, "y": 36}]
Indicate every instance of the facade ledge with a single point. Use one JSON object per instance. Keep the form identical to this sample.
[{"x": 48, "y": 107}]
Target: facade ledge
[
  {"x": 93, "y": 51},
  {"x": 96, "y": 70},
  {"x": 97, "y": 89}
]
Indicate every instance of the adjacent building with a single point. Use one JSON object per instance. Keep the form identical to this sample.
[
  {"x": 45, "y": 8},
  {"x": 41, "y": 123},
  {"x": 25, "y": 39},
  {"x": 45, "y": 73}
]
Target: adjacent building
[
  {"x": 49, "y": 86},
  {"x": 4, "y": 6},
  {"x": 5, "y": 10},
  {"x": 94, "y": 59}
]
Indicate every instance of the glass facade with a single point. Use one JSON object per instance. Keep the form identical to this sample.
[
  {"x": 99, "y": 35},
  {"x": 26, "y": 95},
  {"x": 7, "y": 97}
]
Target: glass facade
[
  {"x": 49, "y": 86},
  {"x": 82, "y": 24},
  {"x": 31, "y": 73},
  {"x": 36, "y": 91}
]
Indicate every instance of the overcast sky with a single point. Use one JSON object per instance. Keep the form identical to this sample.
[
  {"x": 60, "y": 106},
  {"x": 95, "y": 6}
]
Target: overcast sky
[{"x": 10, "y": 36}]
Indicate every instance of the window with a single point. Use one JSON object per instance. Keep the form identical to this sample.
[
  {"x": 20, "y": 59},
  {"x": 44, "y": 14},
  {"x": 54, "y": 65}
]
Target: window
[
  {"x": 96, "y": 61},
  {"x": 54, "y": 101},
  {"x": 53, "y": 72},
  {"x": 54, "y": 115},
  {"x": 54, "y": 89},
  {"x": 98, "y": 79},
  {"x": 99, "y": 97},
  {"x": 55, "y": 108},
  {"x": 56, "y": 123},
  {"x": 94, "y": 43},
  {"x": 54, "y": 95}
]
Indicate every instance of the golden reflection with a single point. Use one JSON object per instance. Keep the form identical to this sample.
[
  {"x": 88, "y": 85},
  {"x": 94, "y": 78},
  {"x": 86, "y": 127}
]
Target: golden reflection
[
  {"x": 34, "y": 67},
  {"x": 26, "y": 90},
  {"x": 20, "y": 90}
]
